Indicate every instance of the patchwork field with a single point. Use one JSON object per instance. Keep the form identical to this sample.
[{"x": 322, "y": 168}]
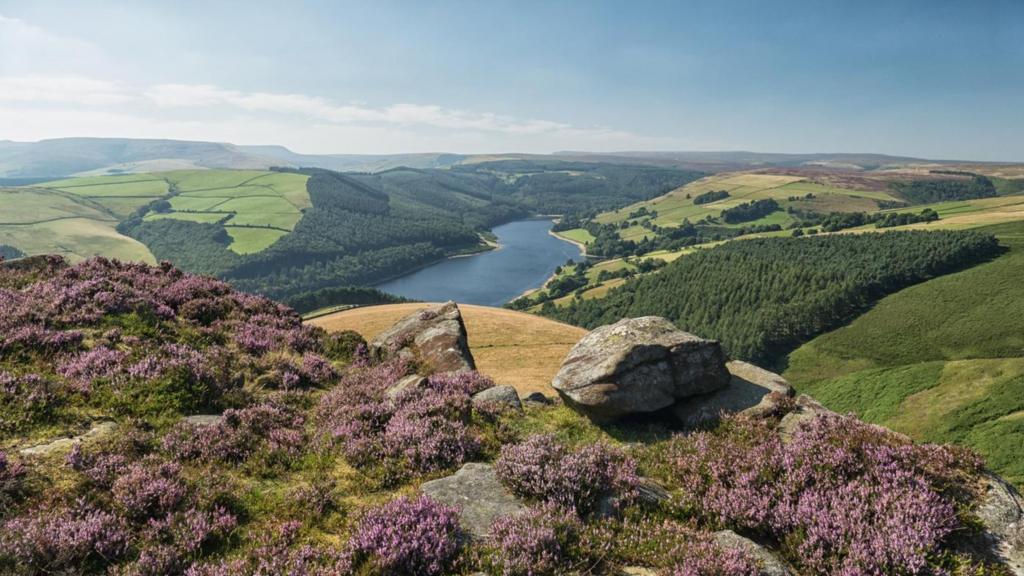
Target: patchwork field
[
  {"x": 513, "y": 348},
  {"x": 941, "y": 361},
  {"x": 678, "y": 205},
  {"x": 255, "y": 207}
]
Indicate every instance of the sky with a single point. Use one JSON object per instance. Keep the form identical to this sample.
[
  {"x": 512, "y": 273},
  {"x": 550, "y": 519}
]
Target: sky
[{"x": 933, "y": 78}]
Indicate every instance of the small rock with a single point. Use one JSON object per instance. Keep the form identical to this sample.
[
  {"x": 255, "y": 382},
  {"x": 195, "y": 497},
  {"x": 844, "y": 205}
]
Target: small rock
[
  {"x": 64, "y": 444},
  {"x": 477, "y": 493},
  {"x": 638, "y": 365},
  {"x": 651, "y": 493},
  {"x": 637, "y": 571},
  {"x": 435, "y": 336},
  {"x": 806, "y": 409},
  {"x": 537, "y": 399},
  {"x": 770, "y": 564},
  {"x": 202, "y": 419},
  {"x": 410, "y": 382},
  {"x": 751, "y": 390},
  {"x": 504, "y": 396}
]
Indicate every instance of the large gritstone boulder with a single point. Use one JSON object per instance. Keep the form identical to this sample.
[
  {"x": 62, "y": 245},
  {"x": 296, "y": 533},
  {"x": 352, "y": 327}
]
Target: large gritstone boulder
[
  {"x": 435, "y": 337},
  {"x": 638, "y": 365}
]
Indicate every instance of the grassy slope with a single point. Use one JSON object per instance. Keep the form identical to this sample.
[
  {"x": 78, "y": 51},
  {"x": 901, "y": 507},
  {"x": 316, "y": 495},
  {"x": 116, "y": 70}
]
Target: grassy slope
[
  {"x": 941, "y": 361},
  {"x": 514, "y": 348},
  {"x": 45, "y": 221}
]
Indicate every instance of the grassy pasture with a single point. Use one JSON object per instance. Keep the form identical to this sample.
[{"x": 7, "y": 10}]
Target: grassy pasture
[
  {"x": 252, "y": 240},
  {"x": 940, "y": 361},
  {"x": 674, "y": 207},
  {"x": 513, "y": 348},
  {"x": 577, "y": 235}
]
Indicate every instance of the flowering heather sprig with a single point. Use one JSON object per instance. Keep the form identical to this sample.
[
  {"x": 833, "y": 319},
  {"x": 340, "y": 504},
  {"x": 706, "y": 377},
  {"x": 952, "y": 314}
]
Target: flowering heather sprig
[
  {"x": 275, "y": 554},
  {"x": 408, "y": 536},
  {"x": 465, "y": 382},
  {"x": 26, "y": 399},
  {"x": 52, "y": 541},
  {"x": 82, "y": 369},
  {"x": 239, "y": 433},
  {"x": 537, "y": 542},
  {"x": 543, "y": 468},
  {"x": 149, "y": 489},
  {"x": 848, "y": 498},
  {"x": 12, "y": 477},
  {"x": 681, "y": 549}
]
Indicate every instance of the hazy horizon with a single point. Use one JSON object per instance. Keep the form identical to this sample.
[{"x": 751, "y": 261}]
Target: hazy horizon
[{"x": 912, "y": 78}]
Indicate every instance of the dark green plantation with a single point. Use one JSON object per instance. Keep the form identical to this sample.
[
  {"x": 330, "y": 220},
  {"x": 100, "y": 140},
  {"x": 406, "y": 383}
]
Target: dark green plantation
[{"x": 763, "y": 297}]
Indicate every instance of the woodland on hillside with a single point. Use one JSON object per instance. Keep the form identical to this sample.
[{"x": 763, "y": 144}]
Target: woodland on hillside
[{"x": 762, "y": 297}]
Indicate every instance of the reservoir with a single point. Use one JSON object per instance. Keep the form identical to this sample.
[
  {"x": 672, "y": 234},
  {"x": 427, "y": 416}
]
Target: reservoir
[{"x": 527, "y": 257}]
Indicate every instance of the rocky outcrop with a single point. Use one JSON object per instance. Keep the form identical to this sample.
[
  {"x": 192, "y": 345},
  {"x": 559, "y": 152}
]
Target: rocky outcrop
[
  {"x": 500, "y": 396},
  {"x": 769, "y": 563},
  {"x": 1001, "y": 513},
  {"x": 478, "y": 495},
  {"x": 434, "y": 337},
  {"x": 751, "y": 390},
  {"x": 638, "y": 365}
]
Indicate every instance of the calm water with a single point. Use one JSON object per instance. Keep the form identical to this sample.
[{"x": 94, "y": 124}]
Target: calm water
[{"x": 528, "y": 256}]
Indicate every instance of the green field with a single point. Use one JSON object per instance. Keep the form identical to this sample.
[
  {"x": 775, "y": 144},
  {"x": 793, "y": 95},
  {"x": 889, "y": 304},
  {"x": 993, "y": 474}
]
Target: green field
[
  {"x": 577, "y": 235},
  {"x": 42, "y": 221},
  {"x": 257, "y": 207},
  {"x": 676, "y": 206},
  {"x": 942, "y": 361}
]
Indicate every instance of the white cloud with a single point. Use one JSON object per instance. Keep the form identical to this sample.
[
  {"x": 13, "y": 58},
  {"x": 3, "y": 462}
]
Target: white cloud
[
  {"x": 29, "y": 49},
  {"x": 37, "y": 107},
  {"x": 65, "y": 89}
]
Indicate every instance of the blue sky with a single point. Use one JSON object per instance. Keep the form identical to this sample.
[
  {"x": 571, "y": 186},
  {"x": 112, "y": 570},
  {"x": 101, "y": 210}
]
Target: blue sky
[{"x": 937, "y": 79}]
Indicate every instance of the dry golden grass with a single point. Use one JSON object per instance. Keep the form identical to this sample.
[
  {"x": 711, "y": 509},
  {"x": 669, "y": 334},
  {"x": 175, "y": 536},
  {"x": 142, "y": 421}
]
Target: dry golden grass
[{"x": 513, "y": 348}]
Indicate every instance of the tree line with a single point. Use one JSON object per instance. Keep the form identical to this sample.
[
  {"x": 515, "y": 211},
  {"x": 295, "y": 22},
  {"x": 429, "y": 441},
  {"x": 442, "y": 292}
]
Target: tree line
[{"x": 764, "y": 297}]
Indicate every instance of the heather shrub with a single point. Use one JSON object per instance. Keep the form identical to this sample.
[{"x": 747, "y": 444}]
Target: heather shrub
[
  {"x": 544, "y": 540},
  {"x": 271, "y": 430},
  {"x": 276, "y": 554},
  {"x": 679, "y": 549},
  {"x": 79, "y": 538},
  {"x": 28, "y": 400},
  {"x": 544, "y": 469},
  {"x": 407, "y": 536},
  {"x": 342, "y": 346},
  {"x": 417, "y": 431},
  {"x": 843, "y": 496},
  {"x": 12, "y": 478}
]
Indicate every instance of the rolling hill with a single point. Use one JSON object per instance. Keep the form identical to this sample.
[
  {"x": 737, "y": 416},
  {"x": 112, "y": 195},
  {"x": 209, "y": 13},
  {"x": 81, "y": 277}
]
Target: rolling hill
[{"x": 942, "y": 361}]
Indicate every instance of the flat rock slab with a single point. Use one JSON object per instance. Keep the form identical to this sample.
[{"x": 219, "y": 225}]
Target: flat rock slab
[
  {"x": 435, "y": 336},
  {"x": 638, "y": 365},
  {"x": 479, "y": 496},
  {"x": 502, "y": 396},
  {"x": 62, "y": 445},
  {"x": 747, "y": 392},
  {"x": 769, "y": 563}
]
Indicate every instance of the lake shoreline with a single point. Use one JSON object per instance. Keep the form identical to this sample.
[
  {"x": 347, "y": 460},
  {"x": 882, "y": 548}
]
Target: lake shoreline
[{"x": 522, "y": 252}]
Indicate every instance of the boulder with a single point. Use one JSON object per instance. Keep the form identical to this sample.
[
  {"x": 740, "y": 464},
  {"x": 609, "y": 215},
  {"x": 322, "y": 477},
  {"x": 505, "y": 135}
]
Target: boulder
[
  {"x": 537, "y": 399},
  {"x": 638, "y": 365},
  {"x": 769, "y": 563},
  {"x": 751, "y": 390},
  {"x": 1001, "y": 513},
  {"x": 502, "y": 396},
  {"x": 435, "y": 337},
  {"x": 62, "y": 445},
  {"x": 410, "y": 382},
  {"x": 478, "y": 495}
]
